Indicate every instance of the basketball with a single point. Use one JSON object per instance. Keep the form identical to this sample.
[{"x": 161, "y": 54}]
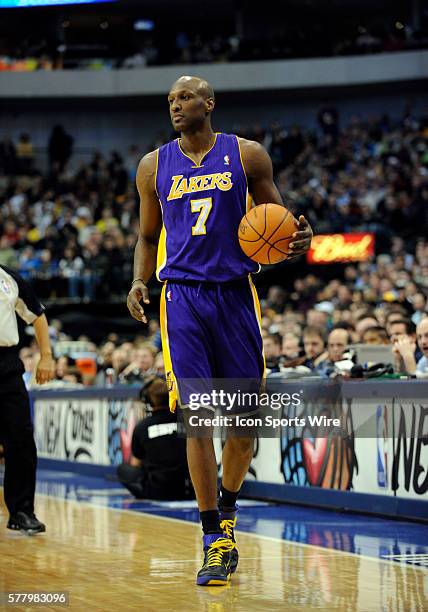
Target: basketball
[{"x": 265, "y": 233}]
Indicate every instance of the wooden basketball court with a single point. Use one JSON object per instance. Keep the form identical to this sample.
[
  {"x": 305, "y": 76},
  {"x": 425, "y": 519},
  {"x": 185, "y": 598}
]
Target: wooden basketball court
[{"x": 109, "y": 559}]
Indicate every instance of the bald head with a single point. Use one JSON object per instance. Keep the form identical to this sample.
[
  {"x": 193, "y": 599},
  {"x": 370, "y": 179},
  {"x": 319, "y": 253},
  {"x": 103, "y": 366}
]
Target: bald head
[
  {"x": 191, "y": 102},
  {"x": 196, "y": 84},
  {"x": 422, "y": 336}
]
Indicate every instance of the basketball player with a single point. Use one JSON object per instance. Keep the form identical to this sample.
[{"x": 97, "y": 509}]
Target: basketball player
[{"x": 193, "y": 194}]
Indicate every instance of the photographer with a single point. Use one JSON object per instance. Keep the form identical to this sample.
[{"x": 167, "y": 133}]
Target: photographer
[{"x": 158, "y": 464}]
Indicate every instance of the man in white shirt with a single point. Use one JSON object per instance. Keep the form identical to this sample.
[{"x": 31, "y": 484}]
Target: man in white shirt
[
  {"x": 16, "y": 428},
  {"x": 422, "y": 338}
]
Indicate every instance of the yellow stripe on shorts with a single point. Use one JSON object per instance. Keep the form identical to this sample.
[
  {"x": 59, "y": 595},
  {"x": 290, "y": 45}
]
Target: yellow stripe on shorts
[
  {"x": 170, "y": 376},
  {"x": 258, "y": 312},
  {"x": 161, "y": 254}
]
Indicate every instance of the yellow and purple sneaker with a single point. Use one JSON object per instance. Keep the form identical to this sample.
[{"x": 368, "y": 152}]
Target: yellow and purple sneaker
[
  {"x": 228, "y": 524},
  {"x": 215, "y": 570}
]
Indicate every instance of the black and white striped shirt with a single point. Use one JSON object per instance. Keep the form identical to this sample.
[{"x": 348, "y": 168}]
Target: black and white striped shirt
[{"x": 16, "y": 297}]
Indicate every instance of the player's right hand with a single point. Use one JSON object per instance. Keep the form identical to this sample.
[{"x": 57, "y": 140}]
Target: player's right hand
[{"x": 137, "y": 293}]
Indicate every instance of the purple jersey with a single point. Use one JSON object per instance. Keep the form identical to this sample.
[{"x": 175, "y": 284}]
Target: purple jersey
[{"x": 202, "y": 206}]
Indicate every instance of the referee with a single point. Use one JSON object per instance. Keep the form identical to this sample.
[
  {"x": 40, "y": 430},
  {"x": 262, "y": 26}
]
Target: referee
[{"x": 16, "y": 429}]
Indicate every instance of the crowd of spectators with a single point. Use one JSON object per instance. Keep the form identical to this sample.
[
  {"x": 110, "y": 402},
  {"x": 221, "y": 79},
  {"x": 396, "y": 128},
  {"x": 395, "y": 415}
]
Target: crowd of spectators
[
  {"x": 378, "y": 303},
  {"x": 313, "y": 330},
  {"x": 82, "y": 362},
  {"x": 295, "y": 40},
  {"x": 72, "y": 232},
  {"x": 73, "y": 229}
]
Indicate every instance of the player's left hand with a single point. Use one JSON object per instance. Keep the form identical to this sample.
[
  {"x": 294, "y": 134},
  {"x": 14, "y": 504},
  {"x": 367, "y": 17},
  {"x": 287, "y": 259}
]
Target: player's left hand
[
  {"x": 301, "y": 239},
  {"x": 45, "y": 370}
]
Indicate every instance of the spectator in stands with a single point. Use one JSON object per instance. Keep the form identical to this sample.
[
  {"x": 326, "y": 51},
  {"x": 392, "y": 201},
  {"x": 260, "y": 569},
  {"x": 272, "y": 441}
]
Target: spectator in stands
[
  {"x": 141, "y": 366},
  {"x": 46, "y": 270},
  {"x": 8, "y": 256},
  {"x": 104, "y": 362},
  {"x": 28, "y": 358},
  {"x": 118, "y": 174},
  {"x": 290, "y": 346},
  {"x": 7, "y": 157},
  {"x": 96, "y": 264},
  {"x": 11, "y": 232},
  {"x": 119, "y": 361},
  {"x": 63, "y": 364},
  {"x": 375, "y": 335},
  {"x": 363, "y": 324},
  {"x": 272, "y": 349},
  {"x": 419, "y": 305},
  {"x": 401, "y": 327},
  {"x": 338, "y": 340},
  {"x": 107, "y": 221},
  {"x": 158, "y": 466},
  {"x": 113, "y": 277},
  {"x": 314, "y": 345},
  {"x": 328, "y": 120},
  {"x": 422, "y": 338},
  {"x": 71, "y": 267},
  {"x": 404, "y": 355},
  {"x": 346, "y": 325},
  {"x": 402, "y": 336},
  {"x": 131, "y": 162},
  {"x": 105, "y": 354},
  {"x": 73, "y": 376},
  {"x": 396, "y": 314},
  {"x": 60, "y": 147},
  {"x": 317, "y": 317},
  {"x": 276, "y": 299},
  {"x": 25, "y": 154}
]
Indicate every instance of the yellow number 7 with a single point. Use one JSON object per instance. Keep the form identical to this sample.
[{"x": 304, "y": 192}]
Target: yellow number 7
[{"x": 203, "y": 207}]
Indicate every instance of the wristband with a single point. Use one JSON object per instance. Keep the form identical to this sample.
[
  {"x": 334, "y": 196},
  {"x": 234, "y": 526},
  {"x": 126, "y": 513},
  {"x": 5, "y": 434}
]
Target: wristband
[{"x": 137, "y": 279}]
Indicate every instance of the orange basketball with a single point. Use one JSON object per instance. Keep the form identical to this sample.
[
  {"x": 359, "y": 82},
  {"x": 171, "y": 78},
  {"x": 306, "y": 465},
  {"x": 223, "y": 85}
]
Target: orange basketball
[{"x": 265, "y": 233}]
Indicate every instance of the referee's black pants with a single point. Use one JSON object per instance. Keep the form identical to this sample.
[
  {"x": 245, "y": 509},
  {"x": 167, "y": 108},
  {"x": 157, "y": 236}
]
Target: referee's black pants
[{"x": 16, "y": 435}]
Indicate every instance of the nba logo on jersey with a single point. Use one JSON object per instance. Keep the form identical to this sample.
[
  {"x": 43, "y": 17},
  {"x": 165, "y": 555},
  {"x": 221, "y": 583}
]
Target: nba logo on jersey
[
  {"x": 226, "y": 160},
  {"x": 168, "y": 296}
]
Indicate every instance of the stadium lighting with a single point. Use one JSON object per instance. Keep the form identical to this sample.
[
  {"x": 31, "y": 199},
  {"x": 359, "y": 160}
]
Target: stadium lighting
[{"x": 144, "y": 25}]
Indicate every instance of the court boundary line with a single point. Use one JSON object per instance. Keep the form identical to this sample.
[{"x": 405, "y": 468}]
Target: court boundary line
[{"x": 389, "y": 562}]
